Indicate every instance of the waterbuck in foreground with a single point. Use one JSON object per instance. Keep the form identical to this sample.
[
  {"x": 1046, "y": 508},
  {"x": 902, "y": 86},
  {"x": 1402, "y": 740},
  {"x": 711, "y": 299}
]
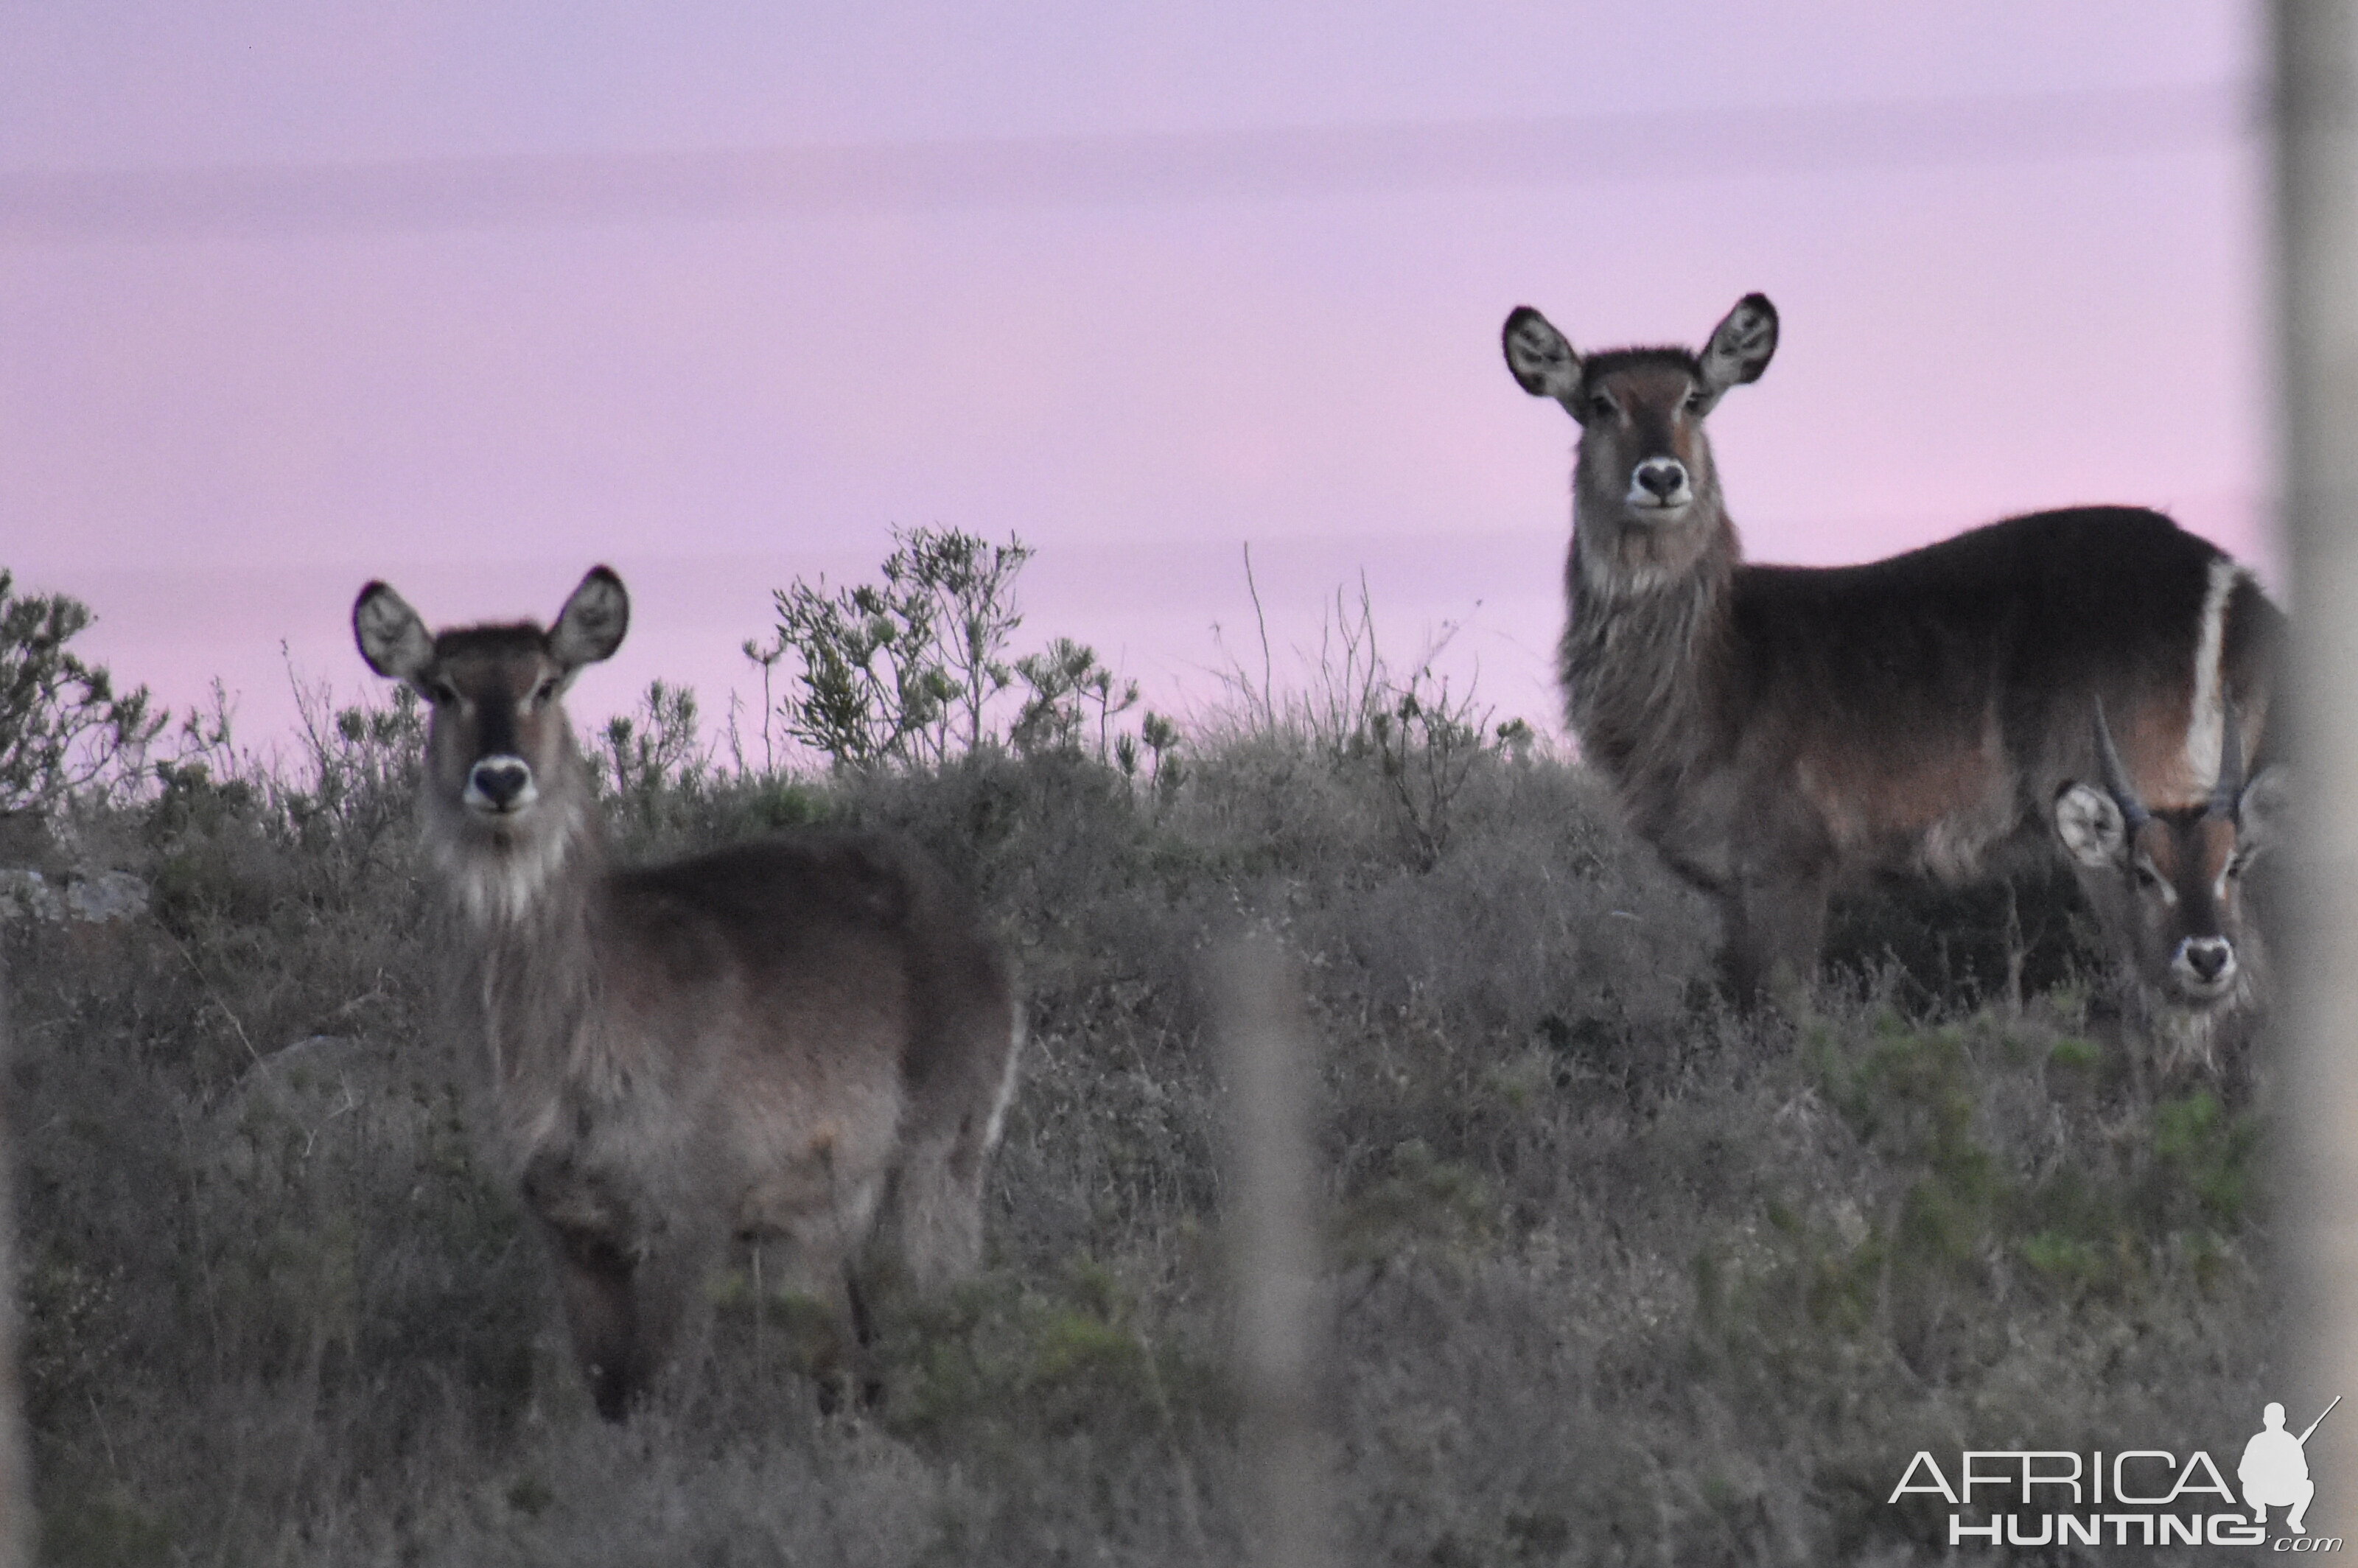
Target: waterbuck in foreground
[
  {"x": 808, "y": 1039},
  {"x": 2097, "y": 676}
]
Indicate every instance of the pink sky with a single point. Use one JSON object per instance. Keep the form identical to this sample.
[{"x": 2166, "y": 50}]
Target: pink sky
[{"x": 295, "y": 296}]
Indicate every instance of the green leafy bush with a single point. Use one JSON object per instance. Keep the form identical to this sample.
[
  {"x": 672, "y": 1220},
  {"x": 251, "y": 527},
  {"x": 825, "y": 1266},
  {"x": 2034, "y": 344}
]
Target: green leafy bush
[{"x": 63, "y": 727}]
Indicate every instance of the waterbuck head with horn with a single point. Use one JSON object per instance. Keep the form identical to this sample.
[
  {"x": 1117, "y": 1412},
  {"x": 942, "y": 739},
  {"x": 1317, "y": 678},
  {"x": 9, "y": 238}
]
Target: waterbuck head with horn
[{"x": 2169, "y": 884}]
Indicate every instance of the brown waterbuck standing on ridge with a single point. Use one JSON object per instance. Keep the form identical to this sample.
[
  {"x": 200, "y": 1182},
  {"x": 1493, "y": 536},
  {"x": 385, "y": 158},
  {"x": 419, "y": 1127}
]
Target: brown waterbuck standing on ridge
[
  {"x": 808, "y": 1039},
  {"x": 1779, "y": 732}
]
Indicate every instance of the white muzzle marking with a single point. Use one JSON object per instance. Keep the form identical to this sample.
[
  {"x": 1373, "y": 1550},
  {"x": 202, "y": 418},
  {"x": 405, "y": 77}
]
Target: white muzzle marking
[
  {"x": 2198, "y": 953},
  {"x": 1660, "y": 486},
  {"x": 499, "y": 785}
]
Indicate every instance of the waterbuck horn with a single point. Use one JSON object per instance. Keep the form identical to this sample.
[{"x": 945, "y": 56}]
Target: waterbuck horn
[
  {"x": 2116, "y": 778},
  {"x": 2226, "y": 795}
]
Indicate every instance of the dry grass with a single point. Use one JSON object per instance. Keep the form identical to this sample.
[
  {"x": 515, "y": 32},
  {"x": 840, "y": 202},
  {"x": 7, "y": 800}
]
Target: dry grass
[{"x": 1617, "y": 1277}]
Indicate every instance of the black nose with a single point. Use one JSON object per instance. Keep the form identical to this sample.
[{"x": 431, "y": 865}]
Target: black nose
[
  {"x": 2207, "y": 956},
  {"x": 1664, "y": 478},
  {"x": 499, "y": 779}
]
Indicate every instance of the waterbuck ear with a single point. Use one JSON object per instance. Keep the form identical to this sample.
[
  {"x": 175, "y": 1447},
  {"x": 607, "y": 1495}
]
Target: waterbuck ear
[
  {"x": 2089, "y": 822},
  {"x": 393, "y": 640},
  {"x": 1541, "y": 357},
  {"x": 1742, "y": 345},
  {"x": 590, "y": 626},
  {"x": 2261, "y": 811}
]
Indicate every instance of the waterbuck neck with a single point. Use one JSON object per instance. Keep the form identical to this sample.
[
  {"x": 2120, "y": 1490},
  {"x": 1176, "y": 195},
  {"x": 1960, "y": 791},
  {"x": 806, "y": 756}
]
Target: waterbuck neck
[
  {"x": 524, "y": 908},
  {"x": 1645, "y": 646}
]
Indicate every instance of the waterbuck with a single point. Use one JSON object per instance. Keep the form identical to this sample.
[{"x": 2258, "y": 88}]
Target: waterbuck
[
  {"x": 1779, "y": 732},
  {"x": 2168, "y": 887},
  {"x": 808, "y": 1039}
]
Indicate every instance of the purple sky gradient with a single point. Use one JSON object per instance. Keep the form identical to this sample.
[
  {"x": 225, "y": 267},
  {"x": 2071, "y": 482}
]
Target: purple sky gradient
[{"x": 294, "y": 296}]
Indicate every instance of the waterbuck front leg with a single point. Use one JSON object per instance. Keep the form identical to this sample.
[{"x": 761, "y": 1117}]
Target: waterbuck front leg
[
  {"x": 846, "y": 1367},
  {"x": 672, "y": 1290},
  {"x": 629, "y": 1277},
  {"x": 1776, "y": 921},
  {"x": 631, "y": 1312},
  {"x": 601, "y": 1311},
  {"x": 590, "y": 1230}
]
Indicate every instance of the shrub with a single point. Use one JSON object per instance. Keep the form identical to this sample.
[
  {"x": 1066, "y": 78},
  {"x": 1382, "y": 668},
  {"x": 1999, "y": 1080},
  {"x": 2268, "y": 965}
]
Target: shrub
[
  {"x": 63, "y": 727},
  {"x": 902, "y": 671}
]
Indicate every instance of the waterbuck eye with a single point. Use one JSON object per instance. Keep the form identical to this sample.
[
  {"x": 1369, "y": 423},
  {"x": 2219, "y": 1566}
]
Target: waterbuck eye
[
  {"x": 2148, "y": 878},
  {"x": 441, "y": 693},
  {"x": 1697, "y": 401},
  {"x": 543, "y": 691},
  {"x": 1601, "y": 408}
]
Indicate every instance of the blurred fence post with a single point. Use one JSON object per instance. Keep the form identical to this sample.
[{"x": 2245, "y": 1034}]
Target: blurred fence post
[
  {"x": 15, "y": 1468},
  {"x": 1273, "y": 1247},
  {"x": 2315, "y": 45}
]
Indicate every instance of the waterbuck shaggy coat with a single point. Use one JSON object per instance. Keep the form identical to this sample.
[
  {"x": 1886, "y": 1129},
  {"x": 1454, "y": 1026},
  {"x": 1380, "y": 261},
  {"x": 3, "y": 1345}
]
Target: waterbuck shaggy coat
[
  {"x": 2097, "y": 676},
  {"x": 808, "y": 1039}
]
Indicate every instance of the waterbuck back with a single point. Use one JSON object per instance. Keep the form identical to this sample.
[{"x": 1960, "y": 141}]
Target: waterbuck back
[
  {"x": 809, "y": 1040},
  {"x": 1779, "y": 732}
]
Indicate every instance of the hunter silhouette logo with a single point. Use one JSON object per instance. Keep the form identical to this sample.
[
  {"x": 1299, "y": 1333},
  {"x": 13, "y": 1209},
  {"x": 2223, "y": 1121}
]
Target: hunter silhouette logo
[{"x": 2275, "y": 1471}]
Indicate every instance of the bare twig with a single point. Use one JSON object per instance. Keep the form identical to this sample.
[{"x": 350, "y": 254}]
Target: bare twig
[{"x": 1267, "y": 706}]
